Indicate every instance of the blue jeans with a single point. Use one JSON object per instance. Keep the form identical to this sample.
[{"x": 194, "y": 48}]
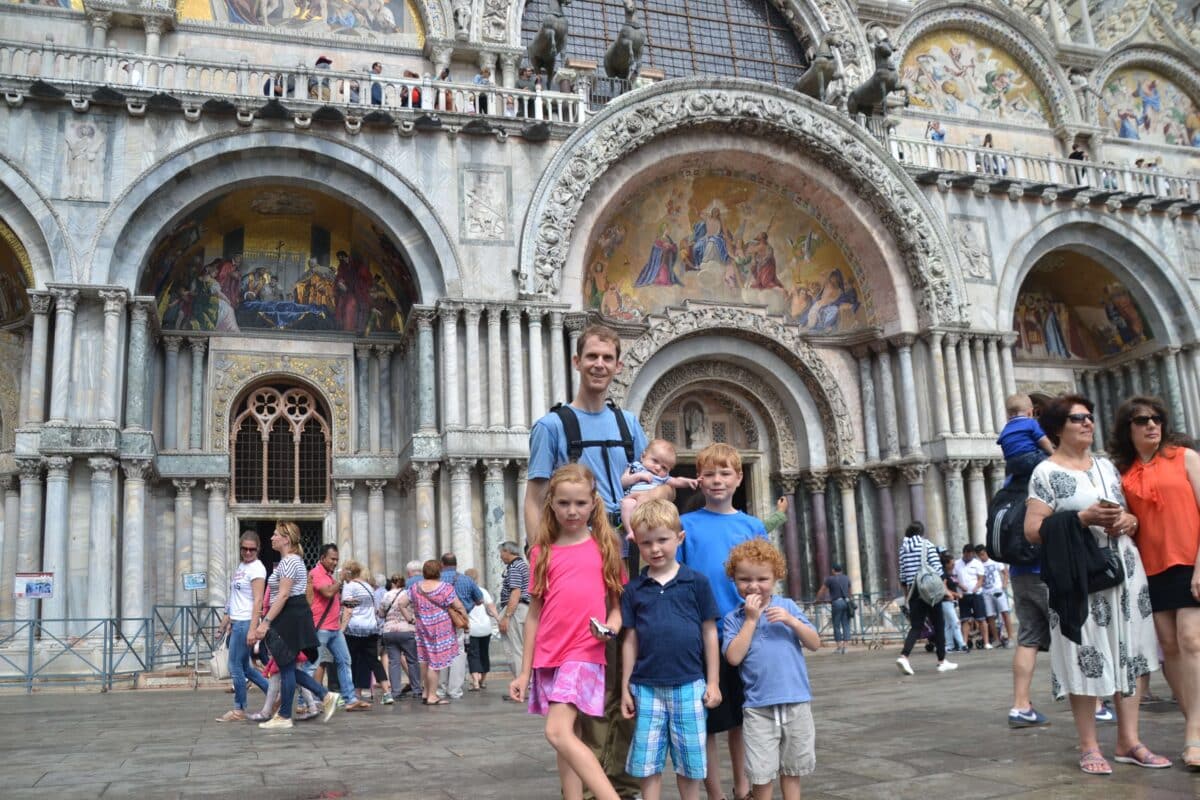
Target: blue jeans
[
  {"x": 841, "y": 620},
  {"x": 289, "y": 676},
  {"x": 336, "y": 642},
  {"x": 240, "y": 668},
  {"x": 954, "y": 635}
]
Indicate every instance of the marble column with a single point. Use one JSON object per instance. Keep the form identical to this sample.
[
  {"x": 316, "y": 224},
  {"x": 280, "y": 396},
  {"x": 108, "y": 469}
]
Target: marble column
[
  {"x": 54, "y": 552},
  {"x": 114, "y": 305},
  {"x": 170, "y": 416},
  {"x": 847, "y": 481},
  {"x": 957, "y": 533},
  {"x": 218, "y": 542},
  {"x": 196, "y": 429},
  {"x": 791, "y": 536},
  {"x": 39, "y": 303},
  {"x": 102, "y": 562},
  {"x": 908, "y": 396},
  {"x": 426, "y": 374},
  {"x": 575, "y": 326},
  {"x": 887, "y": 402},
  {"x": 1009, "y": 374},
  {"x": 29, "y": 529},
  {"x": 983, "y": 387},
  {"x": 1133, "y": 383},
  {"x": 995, "y": 478},
  {"x": 996, "y": 382},
  {"x": 882, "y": 477},
  {"x": 1087, "y": 385},
  {"x": 137, "y": 367},
  {"x": 1174, "y": 391},
  {"x": 558, "y": 360},
  {"x": 343, "y": 503},
  {"x": 866, "y": 382},
  {"x": 26, "y": 362},
  {"x": 941, "y": 406},
  {"x": 522, "y": 485},
  {"x": 184, "y": 537},
  {"x": 362, "y": 388},
  {"x": 101, "y": 21},
  {"x": 376, "y": 539},
  {"x": 471, "y": 314},
  {"x": 954, "y": 386},
  {"x": 537, "y": 368},
  {"x": 517, "y": 418},
  {"x": 8, "y": 545},
  {"x": 970, "y": 399},
  {"x": 977, "y": 500},
  {"x": 133, "y": 546},
  {"x": 495, "y": 370},
  {"x": 814, "y": 484},
  {"x": 426, "y": 510},
  {"x": 64, "y": 345},
  {"x": 1191, "y": 361},
  {"x": 383, "y": 355},
  {"x": 494, "y": 529},
  {"x": 914, "y": 476},
  {"x": 1150, "y": 375},
  {"x": 451, "y": 415},
  {"x": 462, "y": 534}
]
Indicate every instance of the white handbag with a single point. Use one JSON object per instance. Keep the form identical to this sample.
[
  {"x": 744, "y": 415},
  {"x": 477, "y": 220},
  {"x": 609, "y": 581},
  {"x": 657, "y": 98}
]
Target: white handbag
[{"x": 219, "y": 665}]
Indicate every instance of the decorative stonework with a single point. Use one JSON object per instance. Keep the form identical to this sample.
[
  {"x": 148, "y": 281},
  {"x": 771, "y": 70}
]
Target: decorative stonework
[
  {"x": 329, "y": 374},
  {"x": 485, "y": 204},
  {"x": 1127, "y": 19},
  {"x": 819, "y": 17},
  {"x": 754, "y": 109},
  {"x": 974, "y": 250},
  {"x": 785, "y": 340}
]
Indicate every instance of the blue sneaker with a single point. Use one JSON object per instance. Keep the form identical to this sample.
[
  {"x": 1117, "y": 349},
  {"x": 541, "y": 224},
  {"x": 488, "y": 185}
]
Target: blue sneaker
[
  {"x": 1105, "y": 714},
  {"x": 1030, "y": 718}
]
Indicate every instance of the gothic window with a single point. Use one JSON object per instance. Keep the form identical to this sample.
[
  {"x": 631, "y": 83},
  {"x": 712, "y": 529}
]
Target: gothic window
[{"x": 280, "y": 448}]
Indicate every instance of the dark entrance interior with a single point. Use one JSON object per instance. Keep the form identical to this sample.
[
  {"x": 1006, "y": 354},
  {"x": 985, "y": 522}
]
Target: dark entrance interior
[
  {"x": 689, "y": 500},
  {"x": 311, "y": 531}
]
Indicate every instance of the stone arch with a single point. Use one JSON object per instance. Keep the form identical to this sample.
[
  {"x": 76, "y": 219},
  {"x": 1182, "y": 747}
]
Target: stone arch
[
  {"x": 1169, "y": 62},
  {"x": 748, "y": 107},
  {"x": 437, "y": 16},
  {"x": 828, "y": 427},
  {"x": 37, "y": 232},
  {"x": 1008, "y": 29},
  {"x": 183, "y": 180},
  {"x": 1129, "y": 255}
]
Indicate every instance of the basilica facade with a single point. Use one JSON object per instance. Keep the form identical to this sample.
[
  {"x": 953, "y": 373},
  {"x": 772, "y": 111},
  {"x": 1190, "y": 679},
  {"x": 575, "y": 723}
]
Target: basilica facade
[{"x": 328, "y": 261}]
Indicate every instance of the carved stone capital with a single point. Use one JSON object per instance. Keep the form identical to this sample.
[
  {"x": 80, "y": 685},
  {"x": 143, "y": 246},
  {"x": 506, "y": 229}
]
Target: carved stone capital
[
  {"x": 881, "y": 476},
  {"x": 847, "y": 479},
  {"x": 494, "y": 469},
  {"x": 362, "y": 352},
  {"x": 881, "y": 347},
  {"x": 100, "y": 18},
  {"x": 1008, "y": 339},
  {"x": 975, "y": 468},
  {"x": 425, "y": 470},
  {"x": 952, "y": 468},
  {"x": 383, "y": 351},
  {"x": 493, "y": 316},
  {"x": 460, "y": 468},
  {"x": 139, "y": 314},
  {"x": 448, "y": 315},
  {"x": 376, "y": 487},
  {"x": 114, "y": 301},
  {"x": 217, "y": 486},
  {"x": 903, "y": 341},
  {"x": 137, "y": 469},
  {"x": 102, "y": 467},
  {"x": 952, "y": 339},
  {"x": 861, "y": 351},
  {"x": 343, "y": 488},
  {"x": 184, "y": 486},
  {"x": 65, "y": 300},
  {"x": 424, "y": 318},
  {"x": 814, "y": 482},
  {"x": 39, "y": 302},
  {"x": 156, "y": 25},
  {"x": 575, "y": 323},
  {"x": 914, "y": 472},
  {"x": 57, "y": 466},
  {"x": 197, "y": 346},
  {"x": 787, "y": 481},
  {"x": 977, "y": 344},
  {"x": 29, "y": 469}
]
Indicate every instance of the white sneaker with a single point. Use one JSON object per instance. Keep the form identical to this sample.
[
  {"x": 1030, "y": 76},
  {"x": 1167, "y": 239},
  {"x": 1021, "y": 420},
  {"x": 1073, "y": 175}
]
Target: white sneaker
[
  {"x": 328, "y": 706},
  {"x": 905, "y": 667},
  {"x": 988, "y": 647},
  {"x": 276, "y": 723},
  {"x": 947, "y": 666}
]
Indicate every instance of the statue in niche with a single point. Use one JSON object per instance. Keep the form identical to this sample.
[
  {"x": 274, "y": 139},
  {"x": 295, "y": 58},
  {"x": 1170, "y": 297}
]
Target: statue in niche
[
  {"x": 695, "y": 427},
  {"x": 85, "y": 170},
  {"x": 872, "y": 94},
  {"x": 462, "y": 19},
  {"x": 550, "y": 41},
  {"x": 824, "y": 71},
  {"x": 625, "y": 54}
]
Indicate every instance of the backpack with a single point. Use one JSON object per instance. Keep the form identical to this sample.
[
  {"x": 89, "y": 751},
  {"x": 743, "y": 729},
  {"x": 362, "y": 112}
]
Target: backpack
[
  {"x": 1006, "y": 526},
  {"x": 576, "y": 443},
  {"x": 927, "y": 583}
]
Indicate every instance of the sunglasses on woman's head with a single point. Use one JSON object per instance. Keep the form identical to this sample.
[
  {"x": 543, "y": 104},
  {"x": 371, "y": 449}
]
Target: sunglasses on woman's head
[
  {"x": 1079, "y": 419},
  {"x": 1146, "y": 419}
]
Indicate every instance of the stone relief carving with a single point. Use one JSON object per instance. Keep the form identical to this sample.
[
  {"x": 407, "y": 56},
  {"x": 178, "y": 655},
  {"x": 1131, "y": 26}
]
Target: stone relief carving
[
  {"x": 495, "y": 20},
  {"x": 844, "y": 146},
  {"x": 462, "y": 19},
  {"x": 329, "y": 374},
  {"x": 86, "y": 140},
  {"x": 974, "y": 249},
  {"x": 743, "y": 419},
  {"x": 676, "y": 323},
  {"x": 485, "y": 200}
]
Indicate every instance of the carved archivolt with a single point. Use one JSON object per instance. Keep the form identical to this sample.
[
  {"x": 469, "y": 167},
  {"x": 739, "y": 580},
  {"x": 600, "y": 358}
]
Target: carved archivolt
[
  {"x": 739, "y": 382},
  {"x": 751, "y": 108},
  {"x": 784, "y": 340},
  {"x": 1009, "y": 31}
]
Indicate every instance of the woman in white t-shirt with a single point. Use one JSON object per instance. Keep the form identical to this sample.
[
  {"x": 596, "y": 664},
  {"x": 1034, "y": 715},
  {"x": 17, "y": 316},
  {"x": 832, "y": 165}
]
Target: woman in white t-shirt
[
  {"x": 241, "y": 616},
  {"x": 362, "y": 636}
]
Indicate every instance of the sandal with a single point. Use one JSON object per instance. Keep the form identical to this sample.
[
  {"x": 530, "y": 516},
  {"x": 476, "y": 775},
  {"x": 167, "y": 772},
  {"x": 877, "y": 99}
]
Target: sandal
[
  {"x": 441, "y": 701},
  {"x": 1142, "y": 756},
  {"x": 1093, "y": 763},
  {"x": 233, "y": 715},
  {"x": 1191, "y": 763}
]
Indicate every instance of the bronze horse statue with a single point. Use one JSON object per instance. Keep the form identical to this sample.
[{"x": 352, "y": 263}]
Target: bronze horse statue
[
  {"x": 551, "y": 39},
  {"x": 873, "y": 92},
  {"x": 623, "y": 56},
  {"x": 824, "y": 69}
]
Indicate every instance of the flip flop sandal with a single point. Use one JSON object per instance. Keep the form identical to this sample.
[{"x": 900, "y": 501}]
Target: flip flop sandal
[
  {"x": 1093, "y": 763},
  {"x": 1142, "y": 756},
  {"x": 1193, "y": 764}
]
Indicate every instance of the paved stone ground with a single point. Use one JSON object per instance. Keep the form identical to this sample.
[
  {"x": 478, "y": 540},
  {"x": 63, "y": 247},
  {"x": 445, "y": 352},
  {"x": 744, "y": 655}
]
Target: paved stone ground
[{"x": 879, "y": 735}]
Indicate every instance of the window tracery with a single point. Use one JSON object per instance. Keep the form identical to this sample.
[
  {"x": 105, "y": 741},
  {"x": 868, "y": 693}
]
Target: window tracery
[{"x": 280, "y": 448}]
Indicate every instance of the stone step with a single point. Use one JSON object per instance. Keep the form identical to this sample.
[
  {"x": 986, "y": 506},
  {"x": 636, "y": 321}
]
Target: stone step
[{"x": 178, "y": 678}]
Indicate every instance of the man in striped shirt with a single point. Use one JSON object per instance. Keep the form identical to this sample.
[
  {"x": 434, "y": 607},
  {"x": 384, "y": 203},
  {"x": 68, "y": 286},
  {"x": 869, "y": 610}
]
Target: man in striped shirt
[{"x": 514, "y": 594}]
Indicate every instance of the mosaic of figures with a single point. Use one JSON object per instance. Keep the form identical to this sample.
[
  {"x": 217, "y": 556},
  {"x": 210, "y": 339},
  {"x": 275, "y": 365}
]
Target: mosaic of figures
[
  {"x": 1140, "y": 104},
  {"x": 711, "y": 234},
  {"x": 957, "y": 73},
  {"x": 361, "y": 18},
  {"x": 1070, "y": 307},
  {"x": 279, "y": 258},
  {"x": 14, "y": 302}
]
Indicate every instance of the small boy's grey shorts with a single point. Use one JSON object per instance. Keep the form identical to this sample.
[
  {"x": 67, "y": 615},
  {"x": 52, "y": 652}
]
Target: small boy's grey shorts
[{"x": 780, "y": 740}]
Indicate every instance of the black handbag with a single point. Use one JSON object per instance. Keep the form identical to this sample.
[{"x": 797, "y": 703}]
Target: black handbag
[
  {"x": 281, "y": 651},
  {"x": 1110, "y": 574}
]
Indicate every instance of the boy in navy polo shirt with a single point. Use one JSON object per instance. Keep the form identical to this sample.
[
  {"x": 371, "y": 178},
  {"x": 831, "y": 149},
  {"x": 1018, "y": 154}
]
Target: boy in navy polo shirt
[
  {"x": 765, "y": 638},
  {"x": 669, "y": 665}
]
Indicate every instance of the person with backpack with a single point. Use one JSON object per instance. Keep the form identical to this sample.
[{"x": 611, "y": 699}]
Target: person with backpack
[{"x": 921, "y": 577}]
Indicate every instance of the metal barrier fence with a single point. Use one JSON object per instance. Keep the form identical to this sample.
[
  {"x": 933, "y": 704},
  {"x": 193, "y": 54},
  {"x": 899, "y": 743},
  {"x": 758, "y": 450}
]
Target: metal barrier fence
[{"x": 875, "y": 621}]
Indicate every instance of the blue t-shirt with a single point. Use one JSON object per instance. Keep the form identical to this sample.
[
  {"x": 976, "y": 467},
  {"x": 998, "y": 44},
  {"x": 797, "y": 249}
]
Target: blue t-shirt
[
  {"x": 708, "y": 538},
  {"x": 774, "y": 671},
  {"x": 1020, "y": 436},
  {"x": 668, "y": 619},
  {"x": 548, "y": 449}
]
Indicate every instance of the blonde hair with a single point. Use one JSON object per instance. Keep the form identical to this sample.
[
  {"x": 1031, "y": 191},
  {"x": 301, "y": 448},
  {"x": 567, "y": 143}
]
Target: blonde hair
[
  {"x": 292, "y": 531},
  {"x": 1018, "y": 404},
  {"x": 757, "y": 551},
  {"x": 603, "y": 534},
  {"x": 719, "y": 455},
  {"x": 653, "y": 514},
  {"x": 661, "y": 446},
  {"x": 351, "y": 568}
]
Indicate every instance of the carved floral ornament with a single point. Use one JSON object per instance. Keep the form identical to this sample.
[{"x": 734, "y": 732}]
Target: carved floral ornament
[{"x": 750, "y": 108}]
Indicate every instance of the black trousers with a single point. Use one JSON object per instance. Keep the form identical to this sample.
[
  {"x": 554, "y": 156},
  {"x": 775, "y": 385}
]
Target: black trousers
[
  {"x": 364, "y": 658},
  {"x": 479, "y": 659},
  {"x": 918, "y": 612}
]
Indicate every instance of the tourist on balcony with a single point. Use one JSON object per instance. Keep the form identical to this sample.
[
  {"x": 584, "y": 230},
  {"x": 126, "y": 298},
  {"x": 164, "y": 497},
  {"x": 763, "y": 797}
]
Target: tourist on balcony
[
  {"x": 1078, "y": 154},
  {"x": 410, "y": 96},
  {"x": 318, "y": 88},
  {"x": 935, "y": 132},
  {"x": 278, "y": 85},
  {"x": 445, "y": 99},
  {"x": 134, "y": 75},
  {"x": 376, "y": 86},
  {"x": 483, "y": 80},
  {"x": 993, "y": 164},
  {"x": 525, "y": 83}
]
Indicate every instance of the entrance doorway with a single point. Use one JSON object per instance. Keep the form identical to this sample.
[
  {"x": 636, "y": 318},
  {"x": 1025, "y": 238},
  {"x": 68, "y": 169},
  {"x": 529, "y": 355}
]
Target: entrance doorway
[
  {"x": 691, "y": 499},
  {"x": 311, "y": 531}
]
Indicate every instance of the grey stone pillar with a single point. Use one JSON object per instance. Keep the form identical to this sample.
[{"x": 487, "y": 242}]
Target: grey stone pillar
[
  {"x": 39, "y": 303},
  {"x": 463, "y": 530},
  {"x": 376, "y": 541},
  {"x": 575, "y": 326},
  {"x": 1087, "y": 385},
  {"x": 494, "y": 528},
  {"x": 941, "y": 407},
  {"x": 908, "y": 396},
  {"x": 383, "y": 355},
  {"x": 996, "y": 382},
  {"x": 791, "y": 535},
  {"x": 1174, "y": 393},
  {"x": 1006, "y": 363},
  {"x": 29, "y": 529},
  {"x": 137, "y": 367},
  {"x": 426, "y": 510},
  {"x": 957, "y": 533},
  {"x": 866, "y": 381},
  {"x": 22, "y": 418},
  {"x": 184, "y": 537},
  {"x": 471, "y": 314},
  {"x": 170, "y": 417},
  {"x": 451, "y": 415},
  {"x": 54, "y": 553},
  {"x": 426, "y": 374},
  {"x": 537, "y": 367},
  {"x": 516, "y": 372},
  {"x": 995, "y": 477},
  {"x": 495, "y": 370},
  {"x": 1133, "y": 381},
  {"x": 882, "y": 477},
  {"x": 64, "y": 345},
  {"x": 970, "y": 400},
  {"x": 1191, "y": 367},
  {"x": 101, "y": 541},
  {"x": 522, "y": 485},
  {"x": 218, "y": 542},
  {"x": 101, "y": 21},
  {"x": 887, "y": 402},
  {"x": 558, "y": 361},
  {"x": 814, "y": 484},
  {"x": 362, "y": 373},
  {"x": 847, "y": 481},
  {"x": 977, "y": 498},
  {"x": 196, "y": 429},
  {"x": 343, "y": 503},
  {"x": 914, "y": 476},
  {"x": 954, "y": 386},
  {"x": 983, "y": 387},
  {"x": 133, "y": 546},
  {"x": 1150, "y": 378},
  {"x": 110, "y": 358},
  {"x": 8, "y": 545}
]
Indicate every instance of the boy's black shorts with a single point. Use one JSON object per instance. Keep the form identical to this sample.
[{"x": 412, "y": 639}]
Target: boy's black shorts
[{"x": 733, "y": 695}]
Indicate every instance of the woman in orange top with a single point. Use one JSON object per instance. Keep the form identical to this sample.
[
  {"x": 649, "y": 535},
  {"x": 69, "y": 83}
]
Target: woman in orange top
[{"x": 1161, "y": 479}]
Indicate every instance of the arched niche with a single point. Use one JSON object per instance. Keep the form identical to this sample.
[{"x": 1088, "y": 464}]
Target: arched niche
[
  {"x": 1148, "y": 94},
  {"x": 33, "y": 229}
]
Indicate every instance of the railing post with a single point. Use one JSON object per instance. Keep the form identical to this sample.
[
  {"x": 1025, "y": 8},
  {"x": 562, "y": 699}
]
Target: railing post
[{"x": 29, "y": 658}]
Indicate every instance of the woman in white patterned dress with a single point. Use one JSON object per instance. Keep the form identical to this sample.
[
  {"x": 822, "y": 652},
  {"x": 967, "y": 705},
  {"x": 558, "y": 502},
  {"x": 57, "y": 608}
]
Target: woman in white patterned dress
[{"x": 1117, "y": 647}]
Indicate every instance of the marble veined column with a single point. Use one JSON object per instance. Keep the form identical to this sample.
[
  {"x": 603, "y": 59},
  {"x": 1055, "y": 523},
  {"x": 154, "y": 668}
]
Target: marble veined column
[
  {"x": 110, "y": 357},
  {"x": 133, "y": 546},
  {"x": 996, "y": 381},
  {"x": 1006, "y": 363},
  {"x": 954, "y": 387},
  {"x": 494, "y": 529},
  {"x": 575, "y": 325},
  {"x": 882, "y": 477},
  {"x": 1174, "y": 393},
  {"x": 471, "y": 314},
  {"x": 218, "y": 542},
  {"x": 908, "y": 396},
  {"x": 956, "y": 507},
  {"x": 977, "y": 498},
  {"x": 941, "y": 406},
  {"x": 814, "y": 484},
  {"x": 362, "y": 372},
  {"x": 516, "y": 371},
  {"x": 847, "y": 481},
  {"x": 426, "y": 374},
  {"x": 376, "y": 538},
  {"x": 196, "y": 429},
  {"x": 537, "y": 368},
  {"x": 170, "y": 416},
  {"x": 137, "y": 367},
  {"x": 462, "y": 534},
  {"x": 495, "y": 370},
  {"x": 426, "y": 510},
  {"x": 39, "y": 304},
  {"x": 64, "y": 346},
  {"x": 383, "y": 353},
  {"x": 451, "y": 416},
  {"x": 866, "y": 382},
  {"x": 54, "y": 553},
  {"x": 29, "y": 529},
  {"x": 984, "y": 387},
  {"x": 887, "y": 402},
  {"x": 522, "y": 485},
  {"x": 101, "y": 541},
  {"x": 558, "y": 361},
  {"x": 8, "y": 549},
  {"x": 183, "y": 538},
  {"x": 970, "y": 401},
  {"x": 343, "y": 503}
]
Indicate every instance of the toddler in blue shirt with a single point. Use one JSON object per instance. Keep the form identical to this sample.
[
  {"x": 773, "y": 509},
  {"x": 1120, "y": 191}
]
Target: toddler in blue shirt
[{"x": 1022, "y": 441}]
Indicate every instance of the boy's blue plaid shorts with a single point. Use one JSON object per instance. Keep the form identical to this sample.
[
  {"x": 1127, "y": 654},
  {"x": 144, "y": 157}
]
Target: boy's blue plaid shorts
[{"x": 668, "y": 715}]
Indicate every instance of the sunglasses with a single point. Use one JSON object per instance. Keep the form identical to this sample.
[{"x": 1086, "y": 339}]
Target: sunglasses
[
  {"x": 249, "y": 549},
  {"x": 1079, "y": 419},
  {"x": 1146, "y": 419}
]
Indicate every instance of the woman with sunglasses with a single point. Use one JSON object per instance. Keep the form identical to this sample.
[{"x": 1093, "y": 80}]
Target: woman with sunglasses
[
  {"x": 1161, "y": 479},
  {"x": 1102, "y": 641},
  {"x": 241, "y": 615}
]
